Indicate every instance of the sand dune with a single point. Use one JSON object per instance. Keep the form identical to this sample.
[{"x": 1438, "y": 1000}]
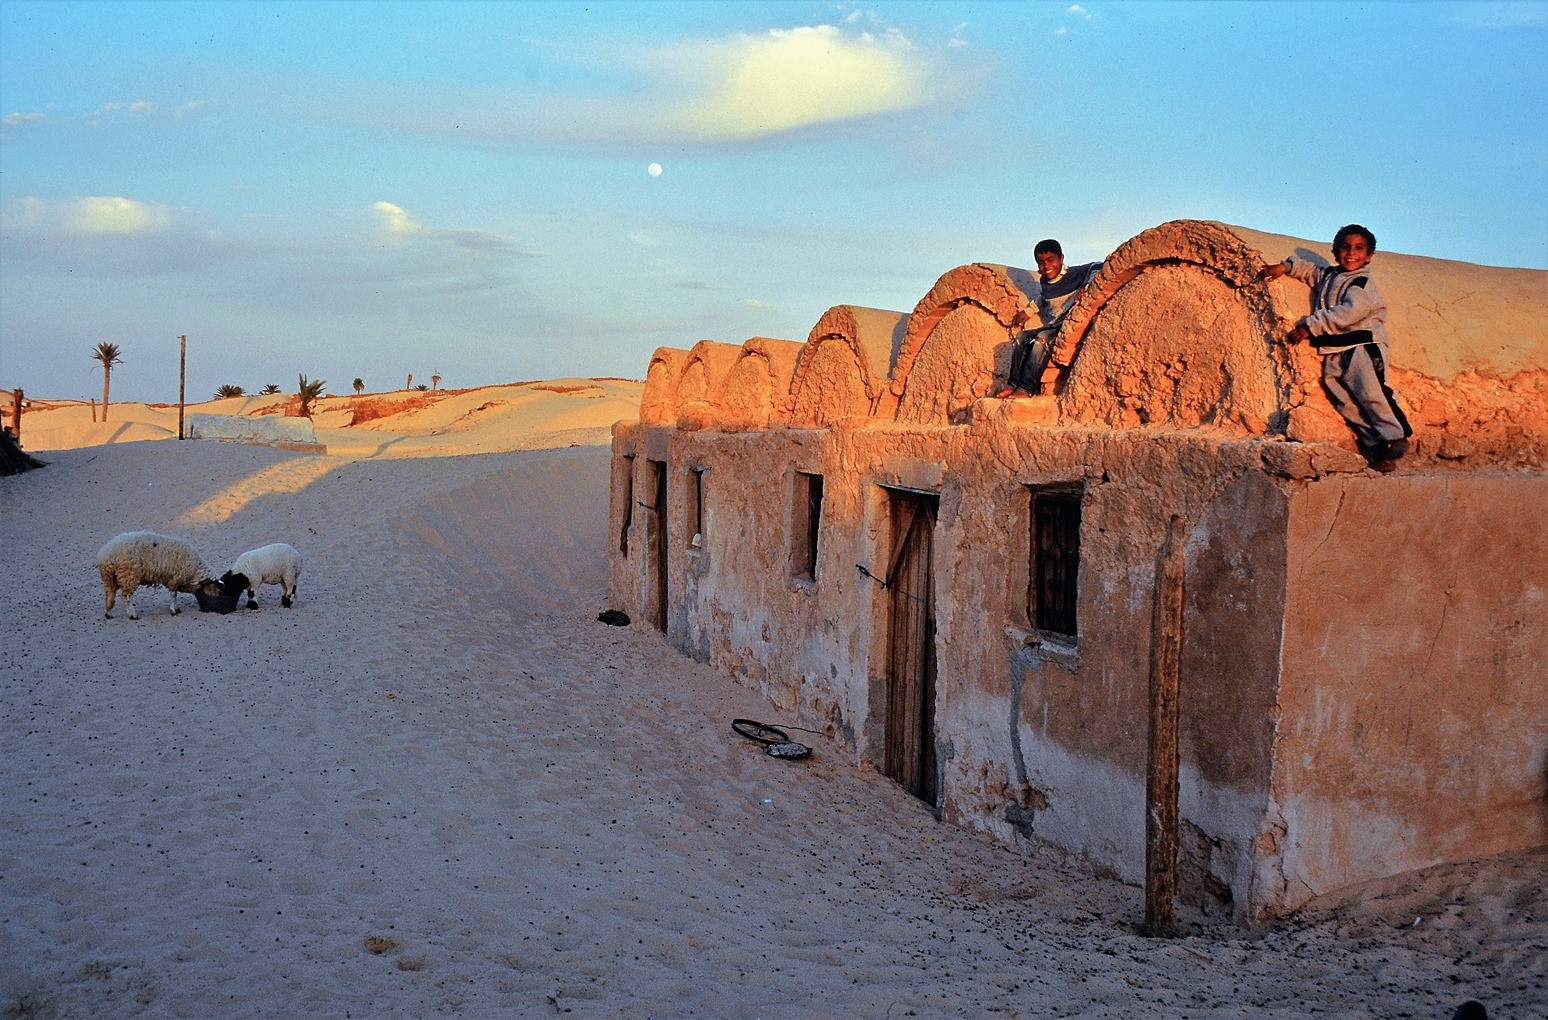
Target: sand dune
[{"x": 438, "y": 786}]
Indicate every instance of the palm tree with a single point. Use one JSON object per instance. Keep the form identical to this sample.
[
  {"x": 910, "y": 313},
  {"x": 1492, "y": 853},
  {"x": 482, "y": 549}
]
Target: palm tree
[
  {"x": 435, "y": 379},
  {"x": 359, "y": 385},
  {"x": 421, "y": 387},
  {"x": 410, "y": 384},
  {"x": 228, "y": 390},
  {"x": 107, "y": 354},
  {"x": 270, "y": 389},
  {"x": 309, "y": 391}
]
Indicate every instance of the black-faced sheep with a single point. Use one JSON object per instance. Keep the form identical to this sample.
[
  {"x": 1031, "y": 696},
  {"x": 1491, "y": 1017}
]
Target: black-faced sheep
[
  {"x": 138, "y": 558},
  {"x": 273, "y": 564}
]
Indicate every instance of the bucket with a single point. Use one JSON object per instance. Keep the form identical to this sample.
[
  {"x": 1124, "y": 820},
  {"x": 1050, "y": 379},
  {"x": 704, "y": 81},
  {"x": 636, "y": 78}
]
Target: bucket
[{"x": 211, "y": 600}]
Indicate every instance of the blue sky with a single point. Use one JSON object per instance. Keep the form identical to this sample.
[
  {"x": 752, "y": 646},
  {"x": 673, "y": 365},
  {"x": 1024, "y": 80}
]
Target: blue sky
[{"x": 342, "y": 189}]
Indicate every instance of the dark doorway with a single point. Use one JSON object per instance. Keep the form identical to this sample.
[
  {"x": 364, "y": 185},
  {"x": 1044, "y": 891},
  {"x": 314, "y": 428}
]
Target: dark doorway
[
  {"x": 910, "y": 724},
  {"x": 658, "y": 602}
]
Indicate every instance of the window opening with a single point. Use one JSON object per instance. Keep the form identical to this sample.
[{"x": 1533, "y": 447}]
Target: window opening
[
  {"x": 628, "y": 505},
  {"x": 696, "y": 508},
  {"x": 806, "y": 525},
  {"x": 1055, "y": 560},
  {"x": 656, "y": 548}
]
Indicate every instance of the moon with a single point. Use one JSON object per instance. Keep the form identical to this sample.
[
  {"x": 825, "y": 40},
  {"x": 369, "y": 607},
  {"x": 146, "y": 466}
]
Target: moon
[{"x": 654, "y": 169}]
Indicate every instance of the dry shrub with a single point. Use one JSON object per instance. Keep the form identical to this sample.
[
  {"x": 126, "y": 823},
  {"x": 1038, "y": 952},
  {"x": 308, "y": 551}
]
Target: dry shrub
[
  {"x": 380, "y": 944},
  {"x": 584, "y": 388},
  {"x": 376, "y": 407}
]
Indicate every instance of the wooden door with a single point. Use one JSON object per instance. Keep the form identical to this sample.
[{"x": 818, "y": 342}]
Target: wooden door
[{"x": 910, "y": 722}]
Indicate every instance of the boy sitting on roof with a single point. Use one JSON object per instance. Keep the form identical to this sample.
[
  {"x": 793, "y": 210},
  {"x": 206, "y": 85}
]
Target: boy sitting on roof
[
  {"x": 1058, "y": 287},
  {"x": 1347, "y": 326}
]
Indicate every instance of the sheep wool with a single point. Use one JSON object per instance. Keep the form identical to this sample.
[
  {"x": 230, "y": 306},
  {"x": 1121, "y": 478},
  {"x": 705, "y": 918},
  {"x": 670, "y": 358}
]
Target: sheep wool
[
  {"x": 139, "y": 558},
  {"x": 273, "y": 564}
]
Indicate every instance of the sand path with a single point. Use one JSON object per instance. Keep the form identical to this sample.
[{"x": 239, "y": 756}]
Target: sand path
[{"x": 440, "y": 748}]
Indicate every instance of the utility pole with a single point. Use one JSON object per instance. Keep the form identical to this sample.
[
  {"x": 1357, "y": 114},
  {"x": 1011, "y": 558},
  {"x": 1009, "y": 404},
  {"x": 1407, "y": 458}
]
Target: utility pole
[{"x": 182, "y": 375}]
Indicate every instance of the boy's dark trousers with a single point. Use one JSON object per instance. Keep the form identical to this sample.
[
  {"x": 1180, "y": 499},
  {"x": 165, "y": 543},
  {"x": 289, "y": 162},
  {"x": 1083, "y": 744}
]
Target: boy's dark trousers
[{"x": 1029, "y": 356}]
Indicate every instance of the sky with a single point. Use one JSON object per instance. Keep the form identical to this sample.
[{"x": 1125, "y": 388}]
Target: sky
[{"x": 495, "y": 192}]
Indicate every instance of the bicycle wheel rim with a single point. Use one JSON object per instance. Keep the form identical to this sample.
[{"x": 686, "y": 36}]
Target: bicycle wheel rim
[{"x": 761, "y": 732}]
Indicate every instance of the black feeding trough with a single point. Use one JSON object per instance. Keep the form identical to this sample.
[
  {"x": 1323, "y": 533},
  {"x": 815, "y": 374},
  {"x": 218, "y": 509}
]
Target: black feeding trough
[{"x": 212, "y": 599}]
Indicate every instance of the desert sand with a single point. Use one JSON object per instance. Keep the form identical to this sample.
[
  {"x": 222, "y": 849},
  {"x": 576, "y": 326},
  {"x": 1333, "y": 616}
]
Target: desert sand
[{"x": 439, "y": 786}]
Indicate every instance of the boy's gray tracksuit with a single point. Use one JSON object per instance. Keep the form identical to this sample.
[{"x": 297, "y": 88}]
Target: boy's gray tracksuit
[{"x": 1348, "y": 328}]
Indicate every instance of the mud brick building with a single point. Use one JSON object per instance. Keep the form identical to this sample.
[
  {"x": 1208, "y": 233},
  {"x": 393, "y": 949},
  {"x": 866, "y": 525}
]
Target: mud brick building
[{"x": 961, "y": 589}]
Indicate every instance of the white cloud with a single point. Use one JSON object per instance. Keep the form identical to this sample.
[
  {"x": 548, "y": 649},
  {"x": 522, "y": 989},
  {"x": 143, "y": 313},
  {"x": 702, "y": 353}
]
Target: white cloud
[
  {"x": 395, "y": 222},
  {"x": 16, "y": 120},
  {"x": 93, "y": 215},
  {"x": 110, "y": 214},
  {"x": 1078, "y": 11},
  {"x": 400, "y": 227},
  {"x": 729, "y": 89},
  {"x": 755, "y": 86}
]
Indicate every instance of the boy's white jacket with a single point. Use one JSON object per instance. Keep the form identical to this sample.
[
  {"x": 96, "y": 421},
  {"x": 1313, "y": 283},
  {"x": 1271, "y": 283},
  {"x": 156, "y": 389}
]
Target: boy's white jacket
[{"x": 1341, "y": 303}]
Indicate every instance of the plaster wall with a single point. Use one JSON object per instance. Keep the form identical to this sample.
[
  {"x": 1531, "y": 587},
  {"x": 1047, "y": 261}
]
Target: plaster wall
[
  {"x": 1414, "y": 714},
  {"x": 1037, "y": 739}
]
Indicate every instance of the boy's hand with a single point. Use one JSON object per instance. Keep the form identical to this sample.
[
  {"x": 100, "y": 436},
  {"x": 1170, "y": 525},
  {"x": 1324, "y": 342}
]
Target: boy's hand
[
  {"x": 1300, "y": 334},
  {"x": 1273, "y": 272}
]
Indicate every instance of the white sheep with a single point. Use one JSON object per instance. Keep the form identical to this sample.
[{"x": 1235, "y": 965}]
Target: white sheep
[
  {"x": 273, "y": 564},
  {"x": 138, "y": 558}
]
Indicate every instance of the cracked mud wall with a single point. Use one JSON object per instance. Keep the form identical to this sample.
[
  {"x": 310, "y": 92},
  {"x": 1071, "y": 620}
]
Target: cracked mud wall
[
  {"x": 700, "y": 389},
  {"x": 845, "y": 365},
  {"x": 658, "y": 403},
  {"x": 957, "y": 347},
  {"x": 756, "y": 390},
  {"x": 1176, "y": 347},
  {"x": 956, "y": 365}
]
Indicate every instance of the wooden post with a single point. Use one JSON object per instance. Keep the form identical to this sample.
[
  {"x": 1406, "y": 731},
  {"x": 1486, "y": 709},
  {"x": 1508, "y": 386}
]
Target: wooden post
[
  {"x": 16, "y": 410},
  {"x": 182, "y": 375},
  {"x": 94, "y": 410},
  {"x": 1166, "y": 633}
]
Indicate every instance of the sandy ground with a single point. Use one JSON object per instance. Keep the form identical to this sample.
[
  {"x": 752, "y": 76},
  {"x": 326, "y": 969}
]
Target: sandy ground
[{"x": 438, "y": 786}]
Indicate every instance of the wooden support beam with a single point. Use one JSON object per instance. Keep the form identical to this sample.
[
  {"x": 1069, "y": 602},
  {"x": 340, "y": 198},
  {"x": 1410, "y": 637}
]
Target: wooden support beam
[{"x": 1166, "y": 634}]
